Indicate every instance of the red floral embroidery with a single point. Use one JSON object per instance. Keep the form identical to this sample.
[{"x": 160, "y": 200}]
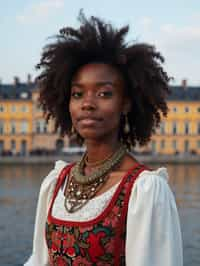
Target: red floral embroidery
[
  {"x": 82, "y": 229},
  {"x": 71, "y": 252},
  {"x": 68, "y": 241},
  {"x": 80, "y": 261},
  {"x": 109, "y": 246},
  {"x": 113, "y": 217},
  {"x": 60, "y": 261},
  {"x": 96, "y": 249},
  {"x": 56, "y": 239}
]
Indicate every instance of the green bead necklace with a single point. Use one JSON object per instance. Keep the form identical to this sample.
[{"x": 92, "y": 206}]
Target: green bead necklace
[{"x": 81, "y": 188}]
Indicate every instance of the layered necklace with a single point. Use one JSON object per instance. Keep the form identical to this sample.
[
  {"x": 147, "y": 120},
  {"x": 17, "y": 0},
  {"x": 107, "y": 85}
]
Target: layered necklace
[{"x": 81, "y": 188}]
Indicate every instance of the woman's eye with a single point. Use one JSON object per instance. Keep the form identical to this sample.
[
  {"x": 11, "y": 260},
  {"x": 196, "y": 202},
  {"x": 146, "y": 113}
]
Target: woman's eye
[
  {"x": 105, "y": 93},
  {"x": 76, "y": 94}
]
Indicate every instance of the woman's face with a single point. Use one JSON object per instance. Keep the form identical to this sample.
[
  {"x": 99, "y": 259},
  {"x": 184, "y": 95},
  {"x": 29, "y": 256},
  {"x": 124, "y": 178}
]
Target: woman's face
[{"x": 97, "y": 101}]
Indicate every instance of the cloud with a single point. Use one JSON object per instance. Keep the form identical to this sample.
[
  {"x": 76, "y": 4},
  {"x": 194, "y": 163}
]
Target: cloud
[
  {"x": 180, "y": 46},
  {"x": 145, "y": 22},
  {"x": 38, "y": 12},
  {"x": 185, "y": 32},
  {"x": 183, "y": 40}
]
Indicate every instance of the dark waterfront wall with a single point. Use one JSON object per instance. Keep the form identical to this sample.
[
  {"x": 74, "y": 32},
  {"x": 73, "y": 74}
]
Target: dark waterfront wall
[
  {"x": 19, "y": 188},
  {"x": 153, "y": 159}
]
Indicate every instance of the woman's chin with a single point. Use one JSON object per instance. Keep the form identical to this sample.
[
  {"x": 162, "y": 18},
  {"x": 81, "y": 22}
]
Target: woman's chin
[{"x": 90, "y": 135}]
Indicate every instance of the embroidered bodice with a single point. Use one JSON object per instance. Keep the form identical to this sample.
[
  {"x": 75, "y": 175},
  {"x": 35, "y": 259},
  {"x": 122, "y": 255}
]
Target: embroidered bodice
[{"x": 96, "y": 242}]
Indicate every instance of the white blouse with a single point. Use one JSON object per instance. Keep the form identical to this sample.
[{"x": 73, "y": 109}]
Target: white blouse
[
  {"x": 88, "y": 212},
  {"x": 153, "y": 227}
]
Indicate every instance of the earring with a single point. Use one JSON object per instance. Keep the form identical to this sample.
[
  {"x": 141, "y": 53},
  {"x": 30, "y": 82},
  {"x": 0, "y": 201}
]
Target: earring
[
  {"x": 72, "y": 130},
  {"x": 126, "y": 126}
]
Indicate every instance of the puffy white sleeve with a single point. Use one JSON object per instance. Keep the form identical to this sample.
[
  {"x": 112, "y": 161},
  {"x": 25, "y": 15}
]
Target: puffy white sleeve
[
  {"x": 153, "y": 227},
  {"x": 39, "y": 254}
]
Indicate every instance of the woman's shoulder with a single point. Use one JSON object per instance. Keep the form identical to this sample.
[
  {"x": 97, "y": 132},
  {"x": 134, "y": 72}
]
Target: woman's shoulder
[
  {"x": 152, "y": 184},
  {"x": 151, "y": 175},
  {"x": 148, "y": 176}
]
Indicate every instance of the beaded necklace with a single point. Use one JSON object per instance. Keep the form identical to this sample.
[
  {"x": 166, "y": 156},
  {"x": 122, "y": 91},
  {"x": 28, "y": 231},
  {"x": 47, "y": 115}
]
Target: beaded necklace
[{"x": 81, "y": 188}]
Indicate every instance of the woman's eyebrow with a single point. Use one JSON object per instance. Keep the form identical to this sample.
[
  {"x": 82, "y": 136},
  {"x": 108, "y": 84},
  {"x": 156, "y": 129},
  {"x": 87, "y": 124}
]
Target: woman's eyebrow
[
  {"x": 101, "y": 83},
  {"x": 76, "y": 84}
]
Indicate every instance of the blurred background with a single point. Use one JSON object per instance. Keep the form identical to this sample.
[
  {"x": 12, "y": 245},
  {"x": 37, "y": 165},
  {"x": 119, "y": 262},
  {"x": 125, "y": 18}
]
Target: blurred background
[{"x": 29, "y": 147}]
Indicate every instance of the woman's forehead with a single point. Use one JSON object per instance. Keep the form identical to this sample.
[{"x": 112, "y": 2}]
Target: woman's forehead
[{"x": 97, "y": 72}]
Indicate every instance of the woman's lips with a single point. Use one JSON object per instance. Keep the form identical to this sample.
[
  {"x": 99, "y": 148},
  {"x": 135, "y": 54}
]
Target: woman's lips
[{"x": 87, "y": 121}]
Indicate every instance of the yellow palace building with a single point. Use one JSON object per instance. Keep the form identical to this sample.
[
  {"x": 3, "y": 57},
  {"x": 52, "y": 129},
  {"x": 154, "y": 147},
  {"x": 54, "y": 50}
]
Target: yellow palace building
[
  {"x": 15, "y": 117},
  {"x": 179, "y": 133},
  {"x": 23, "y": 128}
]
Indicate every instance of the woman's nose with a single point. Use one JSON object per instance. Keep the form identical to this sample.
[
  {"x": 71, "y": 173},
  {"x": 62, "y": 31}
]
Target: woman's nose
[{"x": 88, "y": 103}]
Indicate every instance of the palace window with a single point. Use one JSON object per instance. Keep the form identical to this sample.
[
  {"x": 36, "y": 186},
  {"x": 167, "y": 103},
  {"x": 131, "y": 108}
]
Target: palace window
[
  {"x": 198, "y": 143},
  {"x": 13, "y": 145},
  {"x": 174, "y": 144},
  {"x": 23, "y": 148},
  {"x": 37, "y": 127},
  {"x": 162, "y": 144},
  {"x": 198, "y": 128},
  {"x": 153, "y": 146},
  {"x": 24, "y": 127},
  {"x": 186, "y": 145},
  {"x": 186, "y": 128},
  {"x": 174, "y": 128},
  {"x": 162, "y": 127},
  {"x": 13, "y": 108},
  {"x": 12, "y": 127},
  {"x": 198, "y": 109},
  {"x": 1, "y": 127},
  {"x": 186, "y": 109},
  {"x": 174, "y": 109},
  {"x": 1, "y": 146},
  {"x": 24, "y": 108},
  {"x": 40, "y": 126},
  {"x": 1, "y": 108}
]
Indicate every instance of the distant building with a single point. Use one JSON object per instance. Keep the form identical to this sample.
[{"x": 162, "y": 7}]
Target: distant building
[
  {"x": 23, "y": 128},
  {"x": 43, "y": 134},
  {"x": 180, "y": 130},
  {"x": 16, "y": 117},
  {"x": 22, "y": 125}
]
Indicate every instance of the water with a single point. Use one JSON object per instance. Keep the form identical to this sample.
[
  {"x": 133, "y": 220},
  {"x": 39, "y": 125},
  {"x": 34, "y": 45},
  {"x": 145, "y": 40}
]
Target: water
[{"x": 19, "y": 188}]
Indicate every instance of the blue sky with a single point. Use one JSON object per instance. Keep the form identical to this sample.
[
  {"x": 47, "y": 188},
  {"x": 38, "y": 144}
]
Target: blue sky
[{"x": 172, "y": 26}]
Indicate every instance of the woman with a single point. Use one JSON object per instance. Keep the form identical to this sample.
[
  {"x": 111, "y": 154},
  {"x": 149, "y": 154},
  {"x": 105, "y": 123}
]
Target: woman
[{"x": 107, "y": 208}]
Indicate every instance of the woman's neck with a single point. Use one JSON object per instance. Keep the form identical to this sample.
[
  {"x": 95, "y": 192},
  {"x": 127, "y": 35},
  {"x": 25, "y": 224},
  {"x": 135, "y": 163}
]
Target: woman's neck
[{"x": 97, "y": 151}]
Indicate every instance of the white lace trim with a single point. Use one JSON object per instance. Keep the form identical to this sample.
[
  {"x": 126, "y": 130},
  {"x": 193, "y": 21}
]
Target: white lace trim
[{"x": 91, "y": 210}]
